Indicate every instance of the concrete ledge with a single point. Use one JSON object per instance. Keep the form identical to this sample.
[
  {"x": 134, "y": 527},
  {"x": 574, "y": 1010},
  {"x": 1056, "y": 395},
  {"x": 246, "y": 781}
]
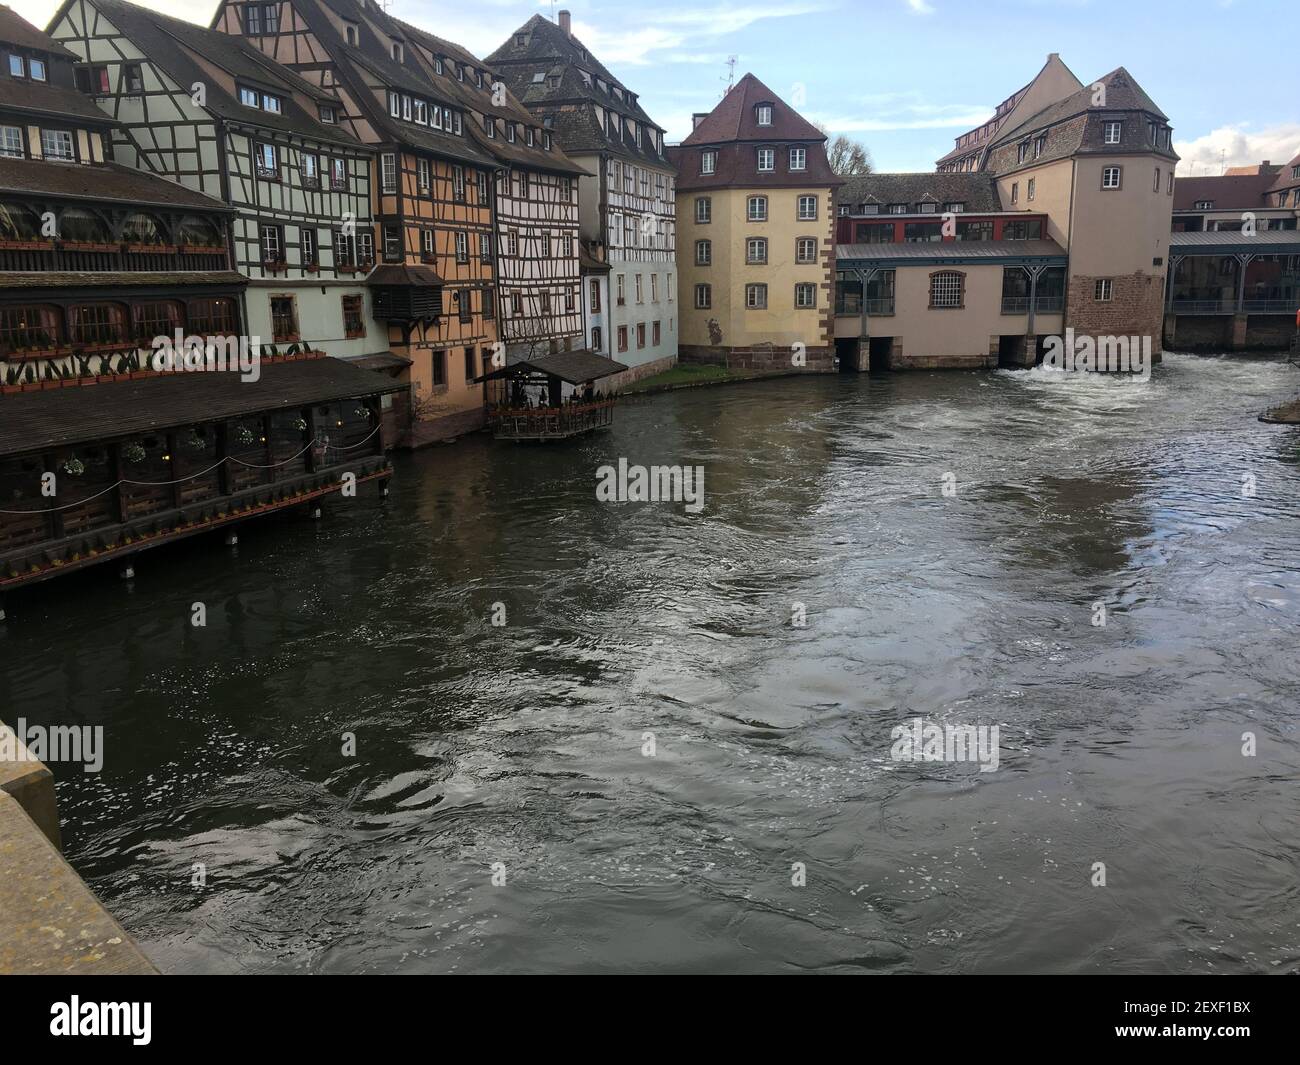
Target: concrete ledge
[
  {"x": 50, "y": 921},
  {"x": 31, "y": 785}
]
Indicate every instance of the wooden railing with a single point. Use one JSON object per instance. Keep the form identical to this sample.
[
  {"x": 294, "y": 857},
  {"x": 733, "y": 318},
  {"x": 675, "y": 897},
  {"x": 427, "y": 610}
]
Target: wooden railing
[
  {"x": 550, "y": 423},
  {"x": 36, "y": 256}
]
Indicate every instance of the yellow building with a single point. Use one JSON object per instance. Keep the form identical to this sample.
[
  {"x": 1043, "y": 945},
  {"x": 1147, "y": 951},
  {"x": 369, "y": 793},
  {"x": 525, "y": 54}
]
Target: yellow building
[{"x": 755, "y": 245}]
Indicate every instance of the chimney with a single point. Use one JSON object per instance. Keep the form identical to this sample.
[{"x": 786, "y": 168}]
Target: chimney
[
  {"x": 1265, "y": 164},
  {"x": 1053, "y": 55},
  {"x": 565, "y": 24},
  {"x": 697, "y": 118}
]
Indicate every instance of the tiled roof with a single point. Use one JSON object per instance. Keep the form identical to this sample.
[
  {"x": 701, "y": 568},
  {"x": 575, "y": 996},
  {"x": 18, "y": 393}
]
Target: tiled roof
[
  {"x": 59, "y": 417},
  {"x": 176, "y": 47},
  {"x": 1228, "y": 192},
  {"x": 100, "y": 182},
  {"x": 398, "y": 275},
  {"x": 979, "y": 192},
  {"x": 14, "y": 29},
  {"x": 1123, "y": 93},
  {"x": 41, "y": 98},
  {"x": 736, "y": 166},
  {"x": 736, "y": 118},
  {"x": 1285, "y": 180}
]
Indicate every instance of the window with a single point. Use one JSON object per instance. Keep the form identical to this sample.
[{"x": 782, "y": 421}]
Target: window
[
  {"x": 17, "y": 68},
  {"x": 756, "y": 251},
  {"x": 253, "y": 19},
  {"x": 212, "y": 317},
  {"x": 512, "y": 242},
  {"x": 922, "y": 232},
  {"x": 764, "y": 114},
  {"x": 37, "y": 69},
  {"x": 798, "y": 158},
  {"x": 622, "y": 338},
  {"x": 426, "y": 245},
  {"x": 465, "y": 312},
  {"x": 621, "y": 281},
  {"x": 406, "y": 108},
  {"x": 98, "y": 323},
  {"x": 546, "y": 245},
  {"x": 365, "y": 247},
  {"x": 326, "y": 114},
  {"x": 640, "y": 298},
  {"x": 462, "y": 247},
  {"x": 805, "y": 250},
  {"x": 1155, "y": 184},
  {"x": 388, "y": 172},
  {"x": 528, "y": 136},
  {"x": 640, "y": 334},
  {"x": 339, "y": 174},
  {"x": 284, "y": 318},
  {"x": 33, "y": 327},
  {"x": 350, "y": 33},
  {"x": 654, "y": 288},
  {"x": 1023, "y": 229},
  {"x": 308, "y": 168},
  {"x": 708, "y": 162},
  {"x": 11, "y": 142},
  {"x": 399, "y": 53},
  {"x": 1022, "y": 151},
  {"x": 1205, "y": 205},
  {"x": 1101, "y": 291},
  {"x": 57, "y": 144},
  {"x": 766, "y": 160},
  {"x": 265, "y": 161},
  {"x": 758, "y": 208},
  {"x": 1110, "y": 177},
  {"x": 655, "y": 334},
  {"x": 438, "y": 368},
  {"x": 1031, "y": 188},
  {"x": 481, "y": 178},
  {"x": 1169, "y": 184},
  {"x": 92, "y": 79},
  {"x": 354, "y": 317},
  {"x": 1015, "y": 192},
  {"x": 1111, "y": 132},
  {"x": 345, "y": 251},
  {"x": 485, "y": 247},
  {"x": 756, "y": 297},
  {"x": 703, "y": 297},
  {"x": 510, "y": 132},
  {"x": 132, "y": 82},
  {"x": 703, "y": 210},
  {"x": 898, "y": 208},
  {"x": 392, "y": 244},
  {"x": 595, "y": 296},
  {"x": 947, "y": 287},
  {"x": 954, "y": 208},
  {"x": 423, "y": 172},
  {"x": 568, "y": 300},
  {"x": 1040, "y": 143},
  {"x": 470, "y": 368},
  {"x": 807, "y": 208},
  {"x": 271, "y": 239},
  {"x": 596, "y": 338},
  {"x": 307, "y": 246},
  {"x": 489, "y": 127},
  {"x": 805, "y": 295},
  {"x": 458, "y": 183},
  {"x": 980, "y": 230},
  {"x": 489, "y": 304}
]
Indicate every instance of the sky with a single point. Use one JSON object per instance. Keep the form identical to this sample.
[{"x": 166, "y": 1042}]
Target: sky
[{"x": 905, "y": 77}]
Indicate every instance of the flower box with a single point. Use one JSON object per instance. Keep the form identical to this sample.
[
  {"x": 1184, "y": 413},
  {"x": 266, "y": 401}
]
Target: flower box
[
  {"x": 85, "y": 245},
  {"x": 27, "y": 245},
  {"x": 203, "y": 249},
  {"x": 150, "y": 249}
]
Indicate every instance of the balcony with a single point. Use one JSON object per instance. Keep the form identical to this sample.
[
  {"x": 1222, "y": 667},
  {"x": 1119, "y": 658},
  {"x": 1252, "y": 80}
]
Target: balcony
[
  {"x": 29, "y": 256},
  {"x": 1042, "y": 304},
  {"x": 550, "y": 423}
]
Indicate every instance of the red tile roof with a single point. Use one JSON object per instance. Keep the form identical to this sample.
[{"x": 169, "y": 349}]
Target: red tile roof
[{"x": 736, "y": 118}]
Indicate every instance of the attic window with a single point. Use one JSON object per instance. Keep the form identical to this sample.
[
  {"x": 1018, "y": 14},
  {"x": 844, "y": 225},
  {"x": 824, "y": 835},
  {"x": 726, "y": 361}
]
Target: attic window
[
  {"x": 327, "y": 114},
  {"x": 478, "y": 78},
  {"x": 539, "y": 77},
  {"x": 460, "y": 71},
  {"x": 510, "y": 132},
  {"x": 521, "y": 40},
  {"x": 350, "y": 33},
  {"x": 399, "y": 53},
  {"x": 528, "y": 136},
  {"x": 437, "y": 65},
  {"x": 954, "y": 208},
  {"x": 869, "y": 208},
  {"x": 764, "y": 113},
  {"x": 1205, "y": 205},
  {"x": 928, "y": 208},
  {"x": 489, "y": 127},
  {"x": 546, "y": 141}
]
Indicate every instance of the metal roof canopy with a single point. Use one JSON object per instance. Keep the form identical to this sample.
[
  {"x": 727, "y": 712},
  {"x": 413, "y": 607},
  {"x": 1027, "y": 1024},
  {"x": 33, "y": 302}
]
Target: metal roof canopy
[
  {"x": 1228, "y": 242},
  {"x": 572, "y": 367},
  {"x": 951, "y": 253}
]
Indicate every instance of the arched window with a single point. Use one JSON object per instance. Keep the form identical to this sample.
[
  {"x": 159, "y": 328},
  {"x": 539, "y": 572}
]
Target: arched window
[
  {"x": 28, "y": 329},
  {"x": 83, "y": 226},
  {"x": 19, "y": 222},
  {"x": 97, "y": 323},
  {"x": 143, "y": 228},
  {"x": 156, "y": 318},
  {"x": 199, "y": 232}
]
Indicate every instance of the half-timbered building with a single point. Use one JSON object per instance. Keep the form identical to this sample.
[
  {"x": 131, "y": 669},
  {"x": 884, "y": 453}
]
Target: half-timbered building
[
  {"x": 627, "y": 191},
  {"x": 105, "y": 451},
  {"x": 209, "y": 111},
  {"x": 536, "y": 188},
  {"x": 434, "y": 284}
]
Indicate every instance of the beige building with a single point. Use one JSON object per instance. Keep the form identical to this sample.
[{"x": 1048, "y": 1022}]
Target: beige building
[
  {"x": 1052, "y": 215},
  {"x": 755, "y": 217}
]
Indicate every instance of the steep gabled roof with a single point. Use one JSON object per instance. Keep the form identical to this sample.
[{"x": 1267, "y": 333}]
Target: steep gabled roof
[
  {"x": 736, "y": 118},
  {"x": 1229, "y": 192},
  {"x": 14, "y": 29},
  {"x": 1123, "y": 93},
  {"x": 99, "y": 183},
  {"x": 1285, "y": 180},
  {"x": 180, "y": 48},
  {"x": 42, "y": 98}
]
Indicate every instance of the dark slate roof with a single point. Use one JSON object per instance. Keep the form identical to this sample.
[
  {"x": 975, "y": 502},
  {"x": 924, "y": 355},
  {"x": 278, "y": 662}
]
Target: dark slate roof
[
  {"x": 587, "y": 262},
  {"x": 33, "y": 421},
  {"x": 42, "y": 98},
  {"x": 99, "y": 182},
  {"x": 1229, "y": 192},
  {"x": 979, "y": 192},
  {"x": 471, "y": 98},
  {"x": 737, "y": 166},
  {"x": 401, "y": 274},
  {"x": 549, "y": 49},
  {"x": 119, "y": 279},
  {"x": 369, "y": 62},
  {"x": 735, "y": 118},
  {"x": 953, "y": 253},
  {"x": 175, "y": 45},
  {"x": 575, "y": 367},
  {"x": 14, "y": 29},
  {"x": 1284, "y": 179}
]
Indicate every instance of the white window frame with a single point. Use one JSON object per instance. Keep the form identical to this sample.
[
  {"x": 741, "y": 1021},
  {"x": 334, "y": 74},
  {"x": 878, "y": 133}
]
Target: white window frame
[
  {"x": 806, "y": 208},
  {"x": 708, "y": 162},
  {"x": 798, "y": 159},
  {"x": 1117, "y": 128},
  {"x": 766, "y": 160},
  {"x": 756, "y": 209},
  {"x": 1106, "y": 177},
  {"x": 388, "y": 172}
]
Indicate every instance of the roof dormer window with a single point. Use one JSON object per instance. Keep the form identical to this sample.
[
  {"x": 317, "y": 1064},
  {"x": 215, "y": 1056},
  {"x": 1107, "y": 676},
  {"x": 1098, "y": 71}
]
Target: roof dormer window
[
  {"x": 327, "y": 114},
  {"x": 437, "y": 64},
  {"x": 17, "y": 66},
  {"x": 521, "y": 40},
  {"x": 460, "y": 71},
  {"x": 528, "y": 136},
  {"x": 1205, "y": 205},
  {"x": 490, "y": 127},
  {"x": 708, "y": 162},
  {"x": 350, "y": 34},
  {"x": 764, "y": 114},
  {"x": 37, "y": 68},
  {"x": 399, "y": 53},
  {"x": 510, "y": 132}
]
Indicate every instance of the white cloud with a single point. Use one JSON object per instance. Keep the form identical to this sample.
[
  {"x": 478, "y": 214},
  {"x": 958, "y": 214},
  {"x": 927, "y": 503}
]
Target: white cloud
[
  {"x": 1237, "y": 146},
  {"x": 920, "y": 7}
]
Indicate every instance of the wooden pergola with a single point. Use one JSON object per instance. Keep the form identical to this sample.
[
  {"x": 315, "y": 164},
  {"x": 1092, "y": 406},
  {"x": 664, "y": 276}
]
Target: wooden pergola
[{"x": 526, "y": 398}]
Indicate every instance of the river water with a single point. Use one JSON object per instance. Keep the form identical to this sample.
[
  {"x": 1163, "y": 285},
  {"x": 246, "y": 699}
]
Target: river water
[{"x": 519, "y": 750}]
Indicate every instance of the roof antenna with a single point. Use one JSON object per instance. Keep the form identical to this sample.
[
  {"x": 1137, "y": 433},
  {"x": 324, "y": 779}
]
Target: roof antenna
[{"x": 731, "y": 73}]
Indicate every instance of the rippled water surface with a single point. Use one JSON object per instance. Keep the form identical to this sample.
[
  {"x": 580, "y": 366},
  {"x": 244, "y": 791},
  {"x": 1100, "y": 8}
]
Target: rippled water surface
[{"x": 523, "y": 744}]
